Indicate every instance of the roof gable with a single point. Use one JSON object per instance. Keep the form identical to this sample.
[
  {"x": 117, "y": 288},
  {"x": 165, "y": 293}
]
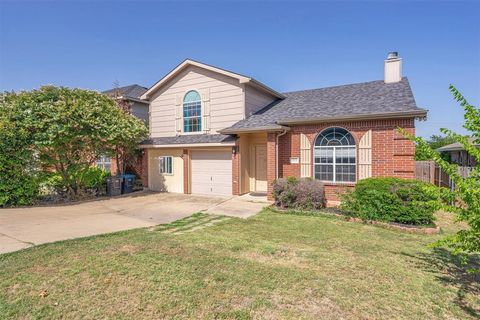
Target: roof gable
[{"x": 188, "y": 62}]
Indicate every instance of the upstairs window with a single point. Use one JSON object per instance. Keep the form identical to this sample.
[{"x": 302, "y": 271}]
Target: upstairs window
[
  {"x": 192, "y": 112},
  {"x": 335, "y": 156}
]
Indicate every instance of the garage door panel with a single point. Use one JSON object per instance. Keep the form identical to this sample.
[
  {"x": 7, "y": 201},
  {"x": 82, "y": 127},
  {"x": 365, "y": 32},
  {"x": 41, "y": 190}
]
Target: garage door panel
[{"x": 211, "y": 172}]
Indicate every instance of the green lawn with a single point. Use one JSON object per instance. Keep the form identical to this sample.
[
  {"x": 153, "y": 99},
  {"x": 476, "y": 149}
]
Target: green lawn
[{"x": 270, "y": 266}]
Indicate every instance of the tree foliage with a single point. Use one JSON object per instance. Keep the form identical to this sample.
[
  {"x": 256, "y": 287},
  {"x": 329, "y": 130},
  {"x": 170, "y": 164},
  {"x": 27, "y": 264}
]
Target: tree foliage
[
  {"x": 18, "y": 174},
  {"x": 467, "y": 191},
  {"x": 435, "y": 142},
  {"x": 68, "y": 129}
]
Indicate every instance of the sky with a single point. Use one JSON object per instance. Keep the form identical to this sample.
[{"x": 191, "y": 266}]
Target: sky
[{"x": 286, "y": 45}]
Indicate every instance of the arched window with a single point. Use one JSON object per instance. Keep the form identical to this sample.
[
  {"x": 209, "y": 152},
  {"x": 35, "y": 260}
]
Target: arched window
[
  {"x": 192, "y": 112},
  {"x": 335, "y": 156}
]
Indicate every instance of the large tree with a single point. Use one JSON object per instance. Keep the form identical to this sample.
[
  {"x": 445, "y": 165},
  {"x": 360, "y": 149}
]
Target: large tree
[
  {"x": 71, "y": 128},
  {"x": 467, "y": 189}
]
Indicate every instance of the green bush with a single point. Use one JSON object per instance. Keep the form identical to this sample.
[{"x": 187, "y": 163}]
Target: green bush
[
  {"x": 303, "y": 194},
  {"x": 18, "y": 172},
  {"x": 93, "y": 178},
  {"x": 392, "y": 200}
]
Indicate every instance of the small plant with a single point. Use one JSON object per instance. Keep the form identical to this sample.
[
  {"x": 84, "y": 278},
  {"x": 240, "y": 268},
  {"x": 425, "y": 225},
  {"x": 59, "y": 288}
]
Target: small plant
[
  {"x": 303, "y": 194},
  {"x": 392, "y": 200}
]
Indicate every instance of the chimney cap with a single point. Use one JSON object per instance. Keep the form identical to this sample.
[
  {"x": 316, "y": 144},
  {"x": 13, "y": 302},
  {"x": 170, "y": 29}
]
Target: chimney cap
[{"x": 392, "y": 55}]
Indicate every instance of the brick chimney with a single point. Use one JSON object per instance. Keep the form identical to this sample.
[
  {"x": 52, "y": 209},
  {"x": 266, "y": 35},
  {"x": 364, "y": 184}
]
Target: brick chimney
[{"x": 393, "y": 68}]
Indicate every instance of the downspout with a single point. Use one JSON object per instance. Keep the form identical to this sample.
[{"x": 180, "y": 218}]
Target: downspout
[{"x": 276, "y": 153}]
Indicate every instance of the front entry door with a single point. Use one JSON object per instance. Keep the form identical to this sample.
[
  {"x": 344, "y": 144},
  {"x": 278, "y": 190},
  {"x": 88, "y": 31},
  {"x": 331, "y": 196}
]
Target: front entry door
[{"x": 261, "y": 168}]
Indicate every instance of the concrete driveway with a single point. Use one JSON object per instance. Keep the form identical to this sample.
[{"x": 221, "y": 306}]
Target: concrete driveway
[{"x": 24, "y": 227}]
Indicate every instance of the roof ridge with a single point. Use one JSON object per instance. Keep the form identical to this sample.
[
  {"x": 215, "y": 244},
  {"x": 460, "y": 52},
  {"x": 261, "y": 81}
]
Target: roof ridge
[{"x": 339, "y": 86}]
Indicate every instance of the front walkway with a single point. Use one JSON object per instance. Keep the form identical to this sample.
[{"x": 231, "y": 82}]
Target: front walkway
[
  {"x": 243, "y": 206},
  {"x": 24, "y": 227}
]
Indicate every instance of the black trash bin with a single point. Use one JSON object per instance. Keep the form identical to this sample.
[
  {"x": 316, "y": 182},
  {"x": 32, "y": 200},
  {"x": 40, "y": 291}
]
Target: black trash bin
[
  {"x": 128, "y": 182},
  {"x": 114, "y": 186}
]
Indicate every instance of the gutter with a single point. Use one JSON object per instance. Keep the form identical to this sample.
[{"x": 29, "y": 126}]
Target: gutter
[
  {"x": 420, "y": 114},
  {"x": 274, "y": 128},
  {"x": 132, "y": 99},
  {"x": 189, "y": 145}
]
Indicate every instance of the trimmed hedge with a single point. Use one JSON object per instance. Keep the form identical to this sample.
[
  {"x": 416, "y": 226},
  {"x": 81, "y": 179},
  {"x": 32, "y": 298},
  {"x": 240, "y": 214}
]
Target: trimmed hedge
[
  {"x": 303, "y": 194},
  {"x": 392, "y": 200}
]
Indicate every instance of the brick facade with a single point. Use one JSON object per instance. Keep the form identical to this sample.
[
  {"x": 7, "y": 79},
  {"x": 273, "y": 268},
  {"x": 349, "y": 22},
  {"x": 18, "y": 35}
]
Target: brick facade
[
  {"x": 392, "y": 154},
  {"x": 144, "y": 171},
  {"x": 186, "y": 172},
  {"x": 236, "y": 170}
]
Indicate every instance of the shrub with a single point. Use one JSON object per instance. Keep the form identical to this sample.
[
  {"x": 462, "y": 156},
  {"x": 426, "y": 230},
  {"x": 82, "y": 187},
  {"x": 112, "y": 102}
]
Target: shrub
[
  {"x": 91, "y": 181},
  {"x": 392, "y": 200},
  {"x": 303, "y": 194},
  {"x": 18, "y": 172},
  {"x": 93, "y": 178}
]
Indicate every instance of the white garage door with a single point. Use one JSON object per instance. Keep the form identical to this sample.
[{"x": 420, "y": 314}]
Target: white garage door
[{"x": 212, "y": 172}]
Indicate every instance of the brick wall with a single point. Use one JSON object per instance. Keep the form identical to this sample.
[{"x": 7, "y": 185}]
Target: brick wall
[
  {"x": 271, "y": 163},
  {"x": 186, "y": 173},
  {"x": 236, "y": 170},
  {"x": 144, "y": 166},
  {"x": 392, "y": 154}
]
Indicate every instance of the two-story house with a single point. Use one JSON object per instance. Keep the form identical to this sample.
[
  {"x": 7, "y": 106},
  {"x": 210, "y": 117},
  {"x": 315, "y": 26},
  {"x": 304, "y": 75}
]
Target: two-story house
[{"x": 217, "y": 132}]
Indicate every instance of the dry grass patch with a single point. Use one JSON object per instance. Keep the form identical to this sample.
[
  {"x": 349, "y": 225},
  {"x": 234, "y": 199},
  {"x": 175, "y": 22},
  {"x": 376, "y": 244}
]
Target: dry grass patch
[{"x": 271, "y": 266}]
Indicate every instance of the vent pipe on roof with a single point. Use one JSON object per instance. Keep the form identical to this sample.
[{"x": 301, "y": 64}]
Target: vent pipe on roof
[{"x": 393, "y": 68}]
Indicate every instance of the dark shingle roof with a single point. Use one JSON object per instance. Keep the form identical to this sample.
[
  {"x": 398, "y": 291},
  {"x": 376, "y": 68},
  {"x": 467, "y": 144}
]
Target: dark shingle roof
[
  {"x": 132, "y": 91},
  {"x": 351, "y": 100},
  {"x": 190, "y": 139}
]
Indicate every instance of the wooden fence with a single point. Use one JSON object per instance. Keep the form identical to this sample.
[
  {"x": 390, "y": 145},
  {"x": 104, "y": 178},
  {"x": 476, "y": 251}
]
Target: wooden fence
[{"x": 429, "y": 171}]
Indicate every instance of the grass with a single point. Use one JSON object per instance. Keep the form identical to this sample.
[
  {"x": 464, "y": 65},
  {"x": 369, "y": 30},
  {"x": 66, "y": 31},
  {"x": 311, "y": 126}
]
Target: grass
[{"x": 270, "y": 266}]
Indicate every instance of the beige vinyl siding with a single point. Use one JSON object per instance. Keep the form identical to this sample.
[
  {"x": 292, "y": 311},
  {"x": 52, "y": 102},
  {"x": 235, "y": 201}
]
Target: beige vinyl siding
[
  {"x": 256, "y": 100},
  {"x": 223, "y": 100}
]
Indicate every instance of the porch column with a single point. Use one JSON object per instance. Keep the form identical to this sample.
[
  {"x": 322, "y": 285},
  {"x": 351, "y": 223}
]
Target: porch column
[
  {"x": 236, "y": 169},
  {"x": 186, "y": 171},
  {"x": 271, "y": 163},
  {"x": 145, "y": 169}
]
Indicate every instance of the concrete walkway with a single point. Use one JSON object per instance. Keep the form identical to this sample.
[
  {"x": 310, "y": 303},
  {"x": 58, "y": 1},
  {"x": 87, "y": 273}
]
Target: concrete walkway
[
  {"x": 241, "y": 207},
  {"x": 24, "y": 227}
]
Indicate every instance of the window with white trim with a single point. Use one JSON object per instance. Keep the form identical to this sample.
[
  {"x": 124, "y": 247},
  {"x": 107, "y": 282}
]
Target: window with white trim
[
  {"x": 105, "y": 163},
  {"x": 335, "y": 156},
  {"x": 192, "y": 112},
  {"x": 165, "y": 165}
]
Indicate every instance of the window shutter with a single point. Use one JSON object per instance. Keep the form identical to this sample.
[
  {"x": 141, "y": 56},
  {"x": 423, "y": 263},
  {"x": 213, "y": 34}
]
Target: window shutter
[
  {"x": 305, "y": 156},
  {"x": 365, "y": 156},
  {"x": 178, "y": 113},
  {"x": 206, "y": 110}
]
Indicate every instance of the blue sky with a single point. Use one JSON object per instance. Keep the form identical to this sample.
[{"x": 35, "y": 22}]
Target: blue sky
[{"x": 287, "y": 45}]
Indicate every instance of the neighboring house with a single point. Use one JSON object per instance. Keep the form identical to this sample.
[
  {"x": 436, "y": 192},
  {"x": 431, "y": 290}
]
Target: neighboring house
[
  {"x": 131, "y": 96},
  {"x": 459, "y": 155},
  {"x": 128, "y": 96},
  {"x": 217, "y": 132}
]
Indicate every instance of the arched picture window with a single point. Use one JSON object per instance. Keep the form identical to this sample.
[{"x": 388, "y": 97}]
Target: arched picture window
[
  {"x": 192, "y": 112},
  {"x": 335, "y": 156}
]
